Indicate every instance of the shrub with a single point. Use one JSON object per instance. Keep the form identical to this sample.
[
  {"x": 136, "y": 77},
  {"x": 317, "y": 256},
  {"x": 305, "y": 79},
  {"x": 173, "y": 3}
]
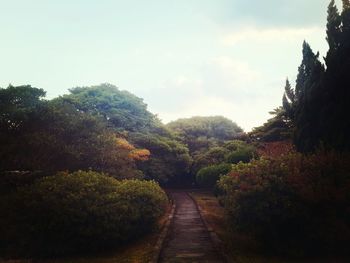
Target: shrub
[
  {"x": 241, "y": 152},
  {"x": 82, "y": 211},
  {"x": 235, "y": 145},
  {"x": 242, "y": 155},
  {"x": 275, "y": 149},
  {"x": 208, "y": 176},
  {"x": 293, "y": 203},
  {"x": 212, "y": 156}
]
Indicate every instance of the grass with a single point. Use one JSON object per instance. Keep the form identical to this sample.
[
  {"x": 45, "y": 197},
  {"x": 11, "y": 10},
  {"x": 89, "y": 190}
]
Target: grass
[{"x": 240, "y": 248}]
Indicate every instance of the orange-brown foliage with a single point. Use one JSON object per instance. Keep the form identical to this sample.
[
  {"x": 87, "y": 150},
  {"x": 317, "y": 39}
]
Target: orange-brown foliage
[
  {"x": 140, "y": 154},
  {"x": 275, "y": 149},
  {"x": 124, "y": 144}
]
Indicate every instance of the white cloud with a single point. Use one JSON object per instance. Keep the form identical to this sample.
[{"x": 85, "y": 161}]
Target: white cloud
[
  {"x": 223, "y": 86},
  {"x": 269, "y": 34},
  {"x": 230, "y": 75},
  {"x": 244, "y": 113}
]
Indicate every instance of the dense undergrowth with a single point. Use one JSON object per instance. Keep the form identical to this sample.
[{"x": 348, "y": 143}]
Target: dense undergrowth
[
  {"x": 296, "y": 204},
  {"x": 77, "y": 212}
]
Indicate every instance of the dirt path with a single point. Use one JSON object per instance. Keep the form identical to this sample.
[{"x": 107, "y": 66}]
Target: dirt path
[{"x": 188, "y": 239}]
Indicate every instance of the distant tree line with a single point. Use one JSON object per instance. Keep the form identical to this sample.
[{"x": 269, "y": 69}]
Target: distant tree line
[{"x": 104, "y": 129}]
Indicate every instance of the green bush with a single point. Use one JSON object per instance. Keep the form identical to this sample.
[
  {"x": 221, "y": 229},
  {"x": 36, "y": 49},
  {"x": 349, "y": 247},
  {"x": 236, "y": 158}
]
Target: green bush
[
  {"x": 292, "y": 204},
  {"x": 208, "y": 176},
  {"x": 82, "y": 211},
  {"x": 235, "y": 145},
  {"x": 205, "y": 158},
  {"x": 241, "y": 155}
]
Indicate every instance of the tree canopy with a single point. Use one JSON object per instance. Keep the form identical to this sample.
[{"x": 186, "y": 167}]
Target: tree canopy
[
  {"x": 200, "y": 132},
  {"x": 99, "y": 127}
]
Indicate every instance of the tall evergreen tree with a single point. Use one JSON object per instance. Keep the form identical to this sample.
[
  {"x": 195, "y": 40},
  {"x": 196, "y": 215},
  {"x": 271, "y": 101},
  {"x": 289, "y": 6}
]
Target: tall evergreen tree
[
  {"x": 333, "y": 29},
  {"x": 308, "y": 100},
  {"x": 345, "y": 17},
  {"x": 288, "y": 102},
  {"x": 318, "y": 107},
  {"x": 336, "y": 122}
]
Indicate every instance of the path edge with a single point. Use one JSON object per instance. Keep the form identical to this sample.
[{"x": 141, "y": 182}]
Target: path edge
[
  {"x": 159, "y": 245},
  {"x": 218, "y": 244}
]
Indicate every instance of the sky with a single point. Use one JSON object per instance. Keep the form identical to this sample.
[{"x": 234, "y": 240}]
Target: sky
[{"x": 183, "y": 57}]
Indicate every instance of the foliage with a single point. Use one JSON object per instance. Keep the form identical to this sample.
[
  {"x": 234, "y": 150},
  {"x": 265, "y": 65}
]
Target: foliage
[
  {"x": 288, "y": 102},
  {"x": 317, "y": 106},
  {"x": 121, "y": 109},
  {"x": 16, "y": 107},
  {"x": 336, "y": 81},
  {"x": 204, "y": 137},
  {"x": 201, "y": 132},
  {"x": 82, "y": 211},
  {"x": 275, "y": 149},
  {"x": 277, "y": 128},
  {"x": 226, "y": 152},
  {"x": 163, "y": 157},
  {"x": 104, "y": 129},
  {"x": 169, "y": 161},
  {"x": 308, "y": 90},
  {"x": 243, "y": 155},
  {"x": 214, "y": 155},
  {"x": 208, "y": 176},
  {"x": 293, "y": 203},
  {"x": 55, "y": 135},
  {"x": 242, "y": 152}
]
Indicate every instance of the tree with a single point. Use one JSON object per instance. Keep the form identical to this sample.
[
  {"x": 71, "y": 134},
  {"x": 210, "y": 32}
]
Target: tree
[
  {"x": 166, "y": 157},
  {"x": 336, "y": 123},
  {"x": 202, "y": 132},
  {"x": 121, "y": 109},
  {"x": 16, "y": 106},
  {"x": 333, "y": 29},
  {"x": 318, "y": 107},
  {"x": 204, "y": 137},
  {"x": 288, "y": 102},
  {"x": 275, "y": 129},
  {"x": 308, "y": 101},
  {"x": 169, "y": 160},
  {"x": 55, "y": 135}
]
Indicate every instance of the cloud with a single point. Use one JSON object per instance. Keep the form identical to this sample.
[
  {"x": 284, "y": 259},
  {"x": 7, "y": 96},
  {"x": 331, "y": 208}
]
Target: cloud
[
  {"x": 243, "y": 113},
  {"x": 222, "y": 86},
  {"x": 229, "y": 76},
  {"x": 268, "y": 35},
  {"x": 277, "y": 13},
  {"x": 244, "y": 81}
]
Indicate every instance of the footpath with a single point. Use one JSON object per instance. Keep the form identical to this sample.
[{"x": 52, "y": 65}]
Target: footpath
[{"x": 188, "y": 239}]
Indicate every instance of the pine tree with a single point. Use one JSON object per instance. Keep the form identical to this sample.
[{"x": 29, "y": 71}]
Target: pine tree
[
  {"x": 345, "y": 17},
  {"x": 288, "y": 102},
  {"x": 333, "y": 29},
  {"x": 318, "y": 107},
  {"x": 336, "y": 122},
  {"x": 307, "y": 101}
]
